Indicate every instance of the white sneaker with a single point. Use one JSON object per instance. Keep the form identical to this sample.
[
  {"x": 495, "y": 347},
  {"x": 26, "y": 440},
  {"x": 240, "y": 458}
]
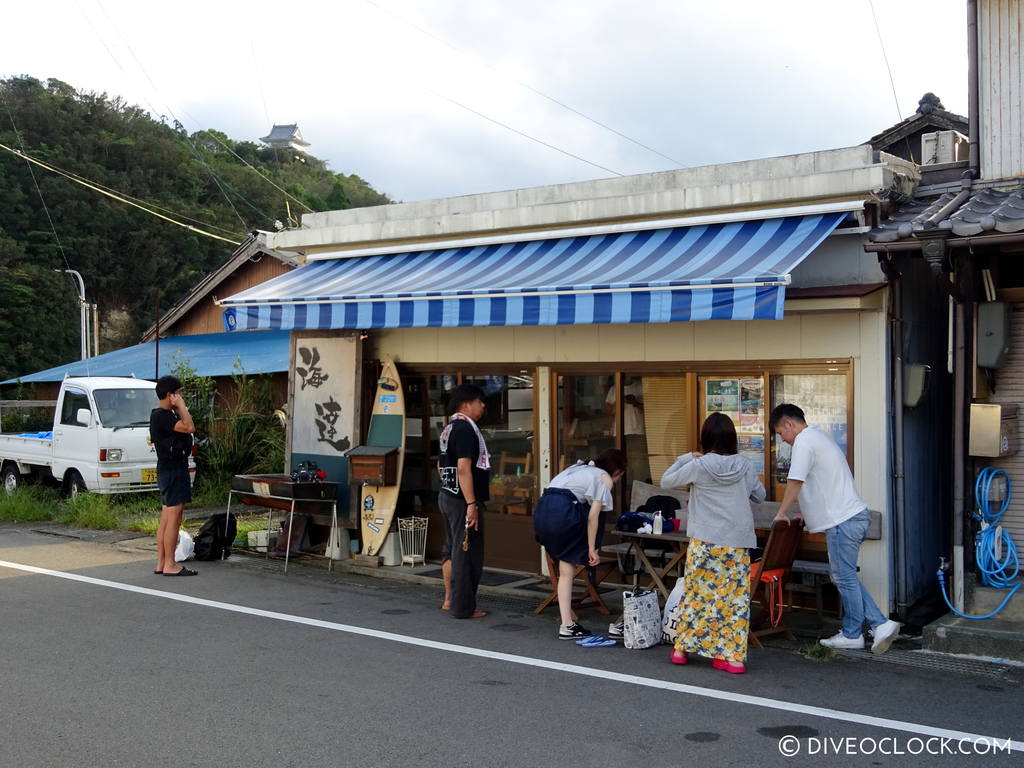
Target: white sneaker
[
  {"x": 885, "y": 633},
  {"x": 839, "y": 640}
]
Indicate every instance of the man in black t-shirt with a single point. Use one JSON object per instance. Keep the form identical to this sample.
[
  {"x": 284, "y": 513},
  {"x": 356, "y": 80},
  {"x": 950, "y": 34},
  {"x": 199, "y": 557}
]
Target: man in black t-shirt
[
  {"x": 170, "y": 429},
  {"x": 464, "y": 465}
]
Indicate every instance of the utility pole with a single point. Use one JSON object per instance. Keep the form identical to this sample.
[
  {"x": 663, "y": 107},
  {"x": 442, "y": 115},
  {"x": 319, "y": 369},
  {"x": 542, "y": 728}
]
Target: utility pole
[{"x": 83, "y": 309}]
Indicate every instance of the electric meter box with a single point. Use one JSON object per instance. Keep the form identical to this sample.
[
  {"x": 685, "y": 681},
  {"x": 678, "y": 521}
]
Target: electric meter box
[
  {"x": 993, "y": 343},
  {"x": 993, "y": 430}
]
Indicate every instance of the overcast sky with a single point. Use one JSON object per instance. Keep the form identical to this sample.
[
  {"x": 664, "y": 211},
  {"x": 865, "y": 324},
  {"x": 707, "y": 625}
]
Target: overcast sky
[{"x": 371, "y": 83}]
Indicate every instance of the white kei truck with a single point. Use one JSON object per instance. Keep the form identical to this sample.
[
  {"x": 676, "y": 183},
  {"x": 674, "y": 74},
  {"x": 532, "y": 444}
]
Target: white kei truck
[{"x": 99, "y": 441}]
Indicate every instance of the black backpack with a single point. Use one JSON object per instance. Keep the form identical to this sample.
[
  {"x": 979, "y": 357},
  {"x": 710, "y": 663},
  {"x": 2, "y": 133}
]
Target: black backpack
[{"x": 213, "y": 542}]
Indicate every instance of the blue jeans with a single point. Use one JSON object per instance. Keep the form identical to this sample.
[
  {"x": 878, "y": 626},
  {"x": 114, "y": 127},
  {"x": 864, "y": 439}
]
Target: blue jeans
[{"x": 844, "y": 542}]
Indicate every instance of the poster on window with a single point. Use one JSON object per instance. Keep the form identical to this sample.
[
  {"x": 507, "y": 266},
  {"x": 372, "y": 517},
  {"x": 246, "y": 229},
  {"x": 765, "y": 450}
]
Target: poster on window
[
  {"x": 323, "y": 395},
  {"x": 751, "y": 406},
  {"x": 751, "y": 447},
  {"x": 722, "y": 396}
]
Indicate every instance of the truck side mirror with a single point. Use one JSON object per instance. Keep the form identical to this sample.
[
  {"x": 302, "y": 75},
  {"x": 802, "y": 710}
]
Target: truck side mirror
[{"x": 83, "y": 416}]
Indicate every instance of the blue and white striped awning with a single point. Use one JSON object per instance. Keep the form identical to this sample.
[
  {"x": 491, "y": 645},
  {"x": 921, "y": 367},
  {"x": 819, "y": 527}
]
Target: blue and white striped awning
[{"x": 729, "y": 271}]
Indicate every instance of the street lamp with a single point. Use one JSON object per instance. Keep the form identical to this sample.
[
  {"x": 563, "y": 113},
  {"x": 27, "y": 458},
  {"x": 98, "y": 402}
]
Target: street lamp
[{"x": 83, "y": 309}]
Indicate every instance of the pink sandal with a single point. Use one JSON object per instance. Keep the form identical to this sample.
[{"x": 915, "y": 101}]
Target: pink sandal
[
  {"x": 679, "y": 657},
  {"x": 732, "y": 667}
]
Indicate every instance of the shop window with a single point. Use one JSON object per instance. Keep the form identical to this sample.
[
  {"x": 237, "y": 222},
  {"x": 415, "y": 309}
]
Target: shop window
[
  {"x": 507, "y": 426},
  {"x": 824, "y": 399},
  {"x": 426, "y": 406},
  {"x": 667, "y": 425},
  {"x": 586, "y": 418}
]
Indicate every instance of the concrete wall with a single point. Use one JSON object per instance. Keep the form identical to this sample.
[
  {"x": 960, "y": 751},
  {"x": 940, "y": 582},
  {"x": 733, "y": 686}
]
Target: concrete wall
[
  {"x": 856, "y": 334},
  {"x": 839, "y": 174},
  {"x": 839, "y": 260}
]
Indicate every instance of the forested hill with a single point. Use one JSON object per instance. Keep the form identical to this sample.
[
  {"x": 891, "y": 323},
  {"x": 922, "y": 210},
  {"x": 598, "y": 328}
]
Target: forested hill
[{"x": 125, "y": 255}]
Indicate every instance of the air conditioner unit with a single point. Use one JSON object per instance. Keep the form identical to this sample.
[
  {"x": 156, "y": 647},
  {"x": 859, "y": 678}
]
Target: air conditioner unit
[{"x": 943, "y": 147}]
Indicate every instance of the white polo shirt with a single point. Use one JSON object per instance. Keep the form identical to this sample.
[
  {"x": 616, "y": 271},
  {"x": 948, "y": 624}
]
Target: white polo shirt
[{"x": 827, "y": 497}]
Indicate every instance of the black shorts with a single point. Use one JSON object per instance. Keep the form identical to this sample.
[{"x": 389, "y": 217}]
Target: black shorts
[{"x": 174, "y": 484}]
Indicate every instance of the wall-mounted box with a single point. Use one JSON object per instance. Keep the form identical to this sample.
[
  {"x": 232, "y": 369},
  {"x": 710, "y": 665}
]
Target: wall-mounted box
[
  {"x": 993, "y": 430},
  {"x": 373, "y": 465},
  {"x": 993, "y": 340}
]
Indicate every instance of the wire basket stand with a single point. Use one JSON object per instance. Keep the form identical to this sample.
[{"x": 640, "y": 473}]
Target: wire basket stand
[{"x": 412, "y": 534}]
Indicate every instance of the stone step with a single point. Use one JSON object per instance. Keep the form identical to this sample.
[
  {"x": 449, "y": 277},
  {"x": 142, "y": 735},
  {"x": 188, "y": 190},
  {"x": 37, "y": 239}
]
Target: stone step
[
  {"x": 983, "y": 600},
  {"x": 994, "y": 638}
]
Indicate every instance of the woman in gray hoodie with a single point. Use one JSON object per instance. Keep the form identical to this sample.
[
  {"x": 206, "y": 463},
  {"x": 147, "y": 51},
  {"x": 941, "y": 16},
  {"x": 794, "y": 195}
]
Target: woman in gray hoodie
[{"x": 715, "y": 606}]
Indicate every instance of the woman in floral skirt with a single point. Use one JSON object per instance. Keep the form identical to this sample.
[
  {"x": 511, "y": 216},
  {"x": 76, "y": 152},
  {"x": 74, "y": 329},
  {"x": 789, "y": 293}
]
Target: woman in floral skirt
[{"x": 715, "y": 606}]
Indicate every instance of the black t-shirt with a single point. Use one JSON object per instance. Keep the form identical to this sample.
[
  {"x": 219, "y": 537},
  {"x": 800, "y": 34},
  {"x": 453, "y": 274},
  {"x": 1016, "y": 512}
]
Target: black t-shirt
[
  {"x": 172, "y": 448},
  {"x": 462, "y": 444}
]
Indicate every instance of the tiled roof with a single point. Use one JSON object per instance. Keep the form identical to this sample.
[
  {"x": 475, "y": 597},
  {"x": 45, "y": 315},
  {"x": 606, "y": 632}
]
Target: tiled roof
[
  {"x": 909, "y": 218},
  {"x": 279, "y": 132},
  {"x": 990, "y": 210},
  {"x": 986, "y": 211}
]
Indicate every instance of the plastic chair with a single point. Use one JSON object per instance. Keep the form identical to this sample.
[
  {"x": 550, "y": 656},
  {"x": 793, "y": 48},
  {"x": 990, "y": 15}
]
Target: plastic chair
[{"x": 771, "y": 573}]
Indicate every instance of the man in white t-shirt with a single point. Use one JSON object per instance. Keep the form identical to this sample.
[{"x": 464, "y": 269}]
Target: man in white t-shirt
[{"x": 821, "y": 477}]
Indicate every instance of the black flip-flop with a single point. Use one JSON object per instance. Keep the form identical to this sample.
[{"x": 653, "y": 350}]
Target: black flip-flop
[
  {"x": 158, "y": 573},
  {"x": 183, "y": 572}
]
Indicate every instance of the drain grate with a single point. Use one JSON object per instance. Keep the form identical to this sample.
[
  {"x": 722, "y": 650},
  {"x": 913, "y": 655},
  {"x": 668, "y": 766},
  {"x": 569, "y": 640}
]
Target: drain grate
[
  {"x": 517, "y": 604},
  {"x": 933, "y": 661}
]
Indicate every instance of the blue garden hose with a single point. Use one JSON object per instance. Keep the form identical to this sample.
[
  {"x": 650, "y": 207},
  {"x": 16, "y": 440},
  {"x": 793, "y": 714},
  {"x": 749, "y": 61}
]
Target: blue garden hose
[{"x": 996, "y": 571}]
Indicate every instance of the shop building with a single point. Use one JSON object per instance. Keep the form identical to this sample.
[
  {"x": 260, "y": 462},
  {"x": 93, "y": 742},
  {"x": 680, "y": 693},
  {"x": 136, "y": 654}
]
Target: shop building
[{"x": 606, "y": 313}]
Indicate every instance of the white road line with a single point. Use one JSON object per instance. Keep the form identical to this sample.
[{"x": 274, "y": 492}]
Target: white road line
[{"x": 575, "y": 669}]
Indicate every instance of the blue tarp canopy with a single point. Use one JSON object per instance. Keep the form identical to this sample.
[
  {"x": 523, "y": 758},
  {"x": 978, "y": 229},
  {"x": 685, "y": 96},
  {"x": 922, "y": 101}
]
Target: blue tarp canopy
[
  {"x": 734, "y": 270},
  {"x": 210, "y": 354}
]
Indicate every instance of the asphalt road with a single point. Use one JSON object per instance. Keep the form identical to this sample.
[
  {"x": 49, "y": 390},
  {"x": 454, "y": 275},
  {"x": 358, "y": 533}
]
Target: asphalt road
[{"x": 243, "y": 666}]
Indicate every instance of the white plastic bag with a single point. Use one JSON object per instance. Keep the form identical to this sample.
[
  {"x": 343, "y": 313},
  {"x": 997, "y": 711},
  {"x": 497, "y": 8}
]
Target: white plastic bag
[
  {"x": 186, "y": 547},
  {"x": 672, "y": 613},
  {"x": 641, "y": 618}
]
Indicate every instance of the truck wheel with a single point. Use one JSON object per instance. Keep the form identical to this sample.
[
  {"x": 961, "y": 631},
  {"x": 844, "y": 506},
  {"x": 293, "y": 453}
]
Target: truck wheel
[
  {"x": 73, "y": 484},
  {"x": 11, "y": 478}
]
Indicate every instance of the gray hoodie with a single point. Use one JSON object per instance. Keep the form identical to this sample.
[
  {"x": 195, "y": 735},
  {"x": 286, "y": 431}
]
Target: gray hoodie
[{"x": 723, "y": 487}]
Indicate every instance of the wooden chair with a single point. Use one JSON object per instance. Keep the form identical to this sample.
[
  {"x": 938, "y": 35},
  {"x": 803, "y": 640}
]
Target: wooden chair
[
  {"x": 584, "y": 597},
  {"x": 507, "y": 464},
  {"x": 770, "y": 574}
]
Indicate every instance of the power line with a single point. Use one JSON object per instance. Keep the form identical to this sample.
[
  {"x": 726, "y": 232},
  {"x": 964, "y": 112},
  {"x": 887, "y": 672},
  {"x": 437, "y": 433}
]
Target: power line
[
  {"x": 78, "y": 177},
  {"x": 112, "y": 195},
  {"x": 522, "y": 84},
  {"x": 213, "y": 175},
  {"x": 521, "y": 133},
  {"x": 46, "y": 208},
  {"x": 885, "y": 57},
  {"x": 155, "y": 111}
]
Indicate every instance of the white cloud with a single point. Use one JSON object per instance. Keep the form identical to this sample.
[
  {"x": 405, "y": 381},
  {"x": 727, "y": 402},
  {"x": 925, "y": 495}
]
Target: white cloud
[{"x": 701, "y": 83}]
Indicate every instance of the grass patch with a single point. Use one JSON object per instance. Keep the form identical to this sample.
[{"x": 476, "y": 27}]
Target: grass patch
[
  {"x": 246, "y": 526},
  {"x": 90, "y": 510},
  {"x": 29, "y": 504},
  {"x": 818, "y": 653},
  {"x": 210, "y": 493},
  {"x": 146, "y": 525}
]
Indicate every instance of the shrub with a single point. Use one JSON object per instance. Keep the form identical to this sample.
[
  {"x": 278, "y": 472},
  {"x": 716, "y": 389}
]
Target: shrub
[{"x": 239, "y": 431}]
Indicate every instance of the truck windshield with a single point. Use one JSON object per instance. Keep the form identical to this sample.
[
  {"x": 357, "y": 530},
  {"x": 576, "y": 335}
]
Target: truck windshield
[{"x": 124, "y": 407}]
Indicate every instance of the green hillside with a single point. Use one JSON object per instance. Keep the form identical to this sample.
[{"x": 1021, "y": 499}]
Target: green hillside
[{"x": 124, "y": 254}]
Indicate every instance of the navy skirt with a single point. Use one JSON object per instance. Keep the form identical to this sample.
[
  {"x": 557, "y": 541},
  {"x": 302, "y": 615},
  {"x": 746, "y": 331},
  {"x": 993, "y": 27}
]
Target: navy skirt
[{"x": 560, "y": 524}]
